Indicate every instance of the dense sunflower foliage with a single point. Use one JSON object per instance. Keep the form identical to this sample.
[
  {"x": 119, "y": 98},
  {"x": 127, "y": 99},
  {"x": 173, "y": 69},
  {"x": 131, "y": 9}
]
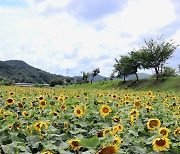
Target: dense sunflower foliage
[{"x": 53, "y": 121}]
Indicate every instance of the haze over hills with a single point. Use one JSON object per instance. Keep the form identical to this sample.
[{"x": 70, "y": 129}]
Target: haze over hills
[{"x": 20, "y": 71}]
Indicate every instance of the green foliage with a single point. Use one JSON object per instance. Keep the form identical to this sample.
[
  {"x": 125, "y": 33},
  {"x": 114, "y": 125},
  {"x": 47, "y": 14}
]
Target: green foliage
[
  {"x": 6, "y": 82},
  {"x": 85, "y": 77},
  {"x": 122, "y": 67},
  {"x": 168, "y": 72},
  {"x": 90, "y": 143},
  {"x": 57, "y": 81},
  {"x": 154, "y": 54}
]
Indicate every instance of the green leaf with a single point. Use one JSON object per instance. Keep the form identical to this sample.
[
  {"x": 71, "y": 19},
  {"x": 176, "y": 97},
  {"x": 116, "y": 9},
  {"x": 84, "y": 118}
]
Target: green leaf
[
  {"x": 89, "y": 152},
  {"x": 63, "y": 145},
  {"x": 138, "y": 149},
  {"x": 128, "y": 139},
  {"x": 133, "y": 132},
  {"x": 90, "y": 143}
]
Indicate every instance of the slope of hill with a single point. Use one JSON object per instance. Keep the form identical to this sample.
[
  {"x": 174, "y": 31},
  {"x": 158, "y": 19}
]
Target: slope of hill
[
  {"x": 169, "y": 84},
  {"x": 19, "y": 71}
]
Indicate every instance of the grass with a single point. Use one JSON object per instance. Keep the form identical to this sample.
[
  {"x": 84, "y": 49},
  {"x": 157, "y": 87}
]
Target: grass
[{"x": 168, "y": 84}]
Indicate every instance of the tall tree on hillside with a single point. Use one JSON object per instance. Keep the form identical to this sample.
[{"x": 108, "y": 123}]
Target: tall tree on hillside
[
  {"x": 154, "y": 54},
  {"x": 122, "y": 67},
  {"x": 95, "y": 72},
  {"x": 134, "y": 62}
]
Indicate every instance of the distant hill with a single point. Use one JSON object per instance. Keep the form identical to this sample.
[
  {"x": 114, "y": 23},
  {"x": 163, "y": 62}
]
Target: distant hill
[
  {"x": 19, "y": 71},
  {"x": 140, "y": 75},
  {"x": 130, "y": 77}
]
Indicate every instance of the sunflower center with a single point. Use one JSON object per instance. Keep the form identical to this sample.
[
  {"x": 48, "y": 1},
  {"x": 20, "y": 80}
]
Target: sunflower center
[
  {"x": 10, "y": 100},
  {"x": 20, "y": 105},
  {"x": 161, "y": 142},
  {"x": 137, "y": 104},
  {"x": 108, "y": 150},
  {"x": 43, "y": 103},
  {"x": 105, "y": 110},
  {"x": 163, "y": 132},
  {"x": 153, "y": 123},
  {"x": 40, "y": 98},
  {"x": 78, "y": 111},
  {"x": 75, "y": 143}
]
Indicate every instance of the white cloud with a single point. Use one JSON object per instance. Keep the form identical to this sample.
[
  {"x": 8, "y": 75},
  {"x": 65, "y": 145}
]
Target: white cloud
[{"x": 43, "y": 41}]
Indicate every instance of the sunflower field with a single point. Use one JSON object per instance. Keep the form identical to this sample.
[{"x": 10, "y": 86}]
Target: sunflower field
[{"x": 65, "y": 121}]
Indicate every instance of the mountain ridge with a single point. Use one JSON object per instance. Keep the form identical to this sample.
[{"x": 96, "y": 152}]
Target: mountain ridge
[{"x": 20, "y": 71}]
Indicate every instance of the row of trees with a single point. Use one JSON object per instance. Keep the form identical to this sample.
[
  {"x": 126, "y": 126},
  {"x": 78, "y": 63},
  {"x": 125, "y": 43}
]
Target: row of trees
[
  {"x": 92, "y": 74},
  {"x": 152, "y": 55}
]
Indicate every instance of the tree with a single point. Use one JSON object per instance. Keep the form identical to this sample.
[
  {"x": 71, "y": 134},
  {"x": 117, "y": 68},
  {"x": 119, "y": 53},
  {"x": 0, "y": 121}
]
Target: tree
[
  {"x": 122, "y": 67},
  {"x": 168, "y": 72},
  {"x": 95, "y": 72},
  {"x": 135, "y": 63},
  {"x": 154, "y": 54},
  {"x": 57, "y": 81},
  {"x": 85, "y": 77},
  {"x": 179, "y": 68}
]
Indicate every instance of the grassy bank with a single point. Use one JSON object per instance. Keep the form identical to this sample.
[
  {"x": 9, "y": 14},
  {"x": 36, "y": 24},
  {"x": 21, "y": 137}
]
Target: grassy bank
[{"x": 172, "y": 83}]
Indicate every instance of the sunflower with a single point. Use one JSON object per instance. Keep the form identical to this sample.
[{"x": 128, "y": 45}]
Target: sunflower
[
  {"x": 17, "y": 125},
  {"x": 1, "y": 111},
  {"x": 10, "y": 126},
  {"x": 105, "y": 110},
  {"x": 134, "y": 113},
  {"x": 47, "y": 152},
  {"x": 20, "y": 105},
  {"x": 28, "y": 130},
  {"x": 137, "y": 103},
  {"x": 176, "y": 132},
  {"x": 63, "y": 107},
  {"x": 55, "y": 124},
  {"x": 164, "y": 131},
  {"x": 149, "y": 93},
  {"x": 110, "y": 149},
  {"x": 160, "y": 144},
  {"x": 66, "y": 125},
  {"x": 107, "y": 130},
  {"x": 120, "y": 127},
  {"x": 153, "y": 123},
  {"x": 117, "y": 140},
  {"x": 9, "y": 101},
  {"x": 74, "y": 143},
  {"x": 100, "y": 134},
  {"x": 78, "y": 111},
  {"x": 42, "y": 104},
  {"x": 26, "y": 114},
  {"x": 11, "y": 93},
  {"x": 41, "y": 98},
  {"x": 55, "y": 113},
  {"x": 39, "y": 125},
  {"x": 116, "y": 119}
]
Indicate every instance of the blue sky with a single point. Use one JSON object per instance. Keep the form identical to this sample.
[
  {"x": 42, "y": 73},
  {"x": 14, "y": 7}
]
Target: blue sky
[{"x": 80, "y": 35}]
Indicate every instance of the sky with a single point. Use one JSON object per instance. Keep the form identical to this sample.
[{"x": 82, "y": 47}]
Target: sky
[{"x": 67, "y": 37}]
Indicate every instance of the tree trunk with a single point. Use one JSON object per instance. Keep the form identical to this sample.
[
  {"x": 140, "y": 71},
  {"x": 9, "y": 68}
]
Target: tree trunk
[
  {"x": 92, "y": 79},
  {"x": 124, "y": 78},
  {"x": 137, "y": 78},
  {"x": 157, "y": 73}
]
